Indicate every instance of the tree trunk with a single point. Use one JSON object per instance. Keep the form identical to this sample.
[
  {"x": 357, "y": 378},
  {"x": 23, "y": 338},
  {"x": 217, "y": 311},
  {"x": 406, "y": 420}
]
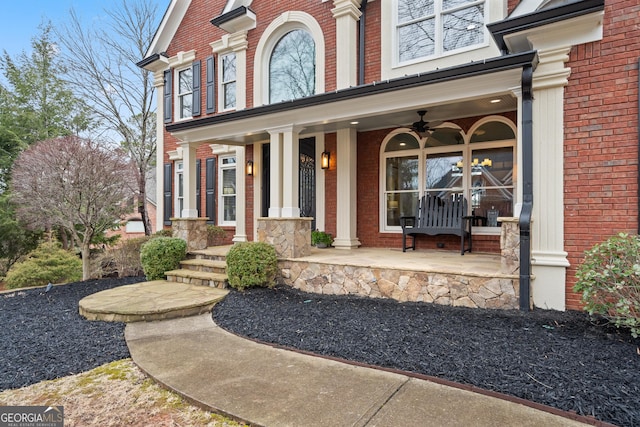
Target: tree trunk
[
  {"x": 142, "y": 202},
  {"x": 86, "y": 260}
]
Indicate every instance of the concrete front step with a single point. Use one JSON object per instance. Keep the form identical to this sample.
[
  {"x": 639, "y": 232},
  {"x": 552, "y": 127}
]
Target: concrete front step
[
  {"x": 201, "y": 278},
  {"x": 205, "y": 265}
]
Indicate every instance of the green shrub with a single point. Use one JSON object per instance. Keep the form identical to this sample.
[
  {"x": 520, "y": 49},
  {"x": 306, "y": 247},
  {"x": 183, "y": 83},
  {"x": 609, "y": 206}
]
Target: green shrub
[
  {"x": 48, "y": 263},
  {"x": 321, "y": 238},
  {"x": 162, "y": 254},
  {"x": 252, "y": 264},
  {"x": 215, "y": 235},
  {"x": 609, "y": 280}
]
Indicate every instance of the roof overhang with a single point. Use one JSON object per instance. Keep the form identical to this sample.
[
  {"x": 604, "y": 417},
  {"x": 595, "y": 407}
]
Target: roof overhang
[
  {"x": 239, "y": 19},
  {"x": 375, "y": 102},
  {"x": 584, "y": 17}
]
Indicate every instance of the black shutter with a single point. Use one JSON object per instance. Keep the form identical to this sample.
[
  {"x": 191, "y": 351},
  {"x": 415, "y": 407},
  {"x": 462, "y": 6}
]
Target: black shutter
[
  {"x": 167, "y": 96},
  {"x": 211, "y": 190},
  {"x": 211, "y": 85},
  {"x": 198, "y": 204},
  {"x": 197, "y": 89},
  {"x": 167, "y": 194}
]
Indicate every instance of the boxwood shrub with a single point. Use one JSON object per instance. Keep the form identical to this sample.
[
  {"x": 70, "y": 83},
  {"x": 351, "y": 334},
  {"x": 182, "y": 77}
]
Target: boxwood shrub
[
  {"x": 48, "y": 263},
  {"x": 162, "y": 254},
  {"x": 252, "y": 264},
  {"x": 609, "y": 281}
]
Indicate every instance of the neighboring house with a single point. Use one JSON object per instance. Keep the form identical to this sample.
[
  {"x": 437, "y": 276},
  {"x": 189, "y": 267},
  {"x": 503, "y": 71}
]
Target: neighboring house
[
  {"x": 131, "y": 224},
  {"x": 531, "y": 110}
]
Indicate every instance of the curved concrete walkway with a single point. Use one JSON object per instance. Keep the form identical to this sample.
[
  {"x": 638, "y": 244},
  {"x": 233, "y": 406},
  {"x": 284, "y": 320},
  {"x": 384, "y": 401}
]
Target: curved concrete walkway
[{"x": 267, "y": 386}]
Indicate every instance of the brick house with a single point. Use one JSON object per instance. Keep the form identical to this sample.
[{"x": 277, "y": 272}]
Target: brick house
[{"x": 345, "y": 111}]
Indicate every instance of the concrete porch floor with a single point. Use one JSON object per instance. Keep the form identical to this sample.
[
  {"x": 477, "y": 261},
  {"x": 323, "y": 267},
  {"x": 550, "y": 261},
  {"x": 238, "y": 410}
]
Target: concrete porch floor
[{"x": 432, "y": 261}]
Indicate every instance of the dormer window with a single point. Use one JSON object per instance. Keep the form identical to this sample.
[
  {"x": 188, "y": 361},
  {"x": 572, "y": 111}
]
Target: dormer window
[{"x": 430, "y": 28}]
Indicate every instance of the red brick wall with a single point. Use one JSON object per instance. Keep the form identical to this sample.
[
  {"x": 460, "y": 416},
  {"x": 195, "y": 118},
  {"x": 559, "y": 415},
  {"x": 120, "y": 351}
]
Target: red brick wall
[
  {"x": 511, "y": 4},
  {"x": 330, "y": 186},
  {"x": 373, "y": 42},
  {"x": 601, "y": 137}
]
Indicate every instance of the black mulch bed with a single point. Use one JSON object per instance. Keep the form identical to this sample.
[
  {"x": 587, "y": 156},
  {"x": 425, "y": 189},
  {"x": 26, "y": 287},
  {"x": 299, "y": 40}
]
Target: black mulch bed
[
  {"x": 558, "y": 359},
  {"x": 43, "y": 337}
]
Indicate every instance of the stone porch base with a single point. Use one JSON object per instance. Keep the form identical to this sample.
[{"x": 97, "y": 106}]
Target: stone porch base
[{"x": 497, "y": 291}]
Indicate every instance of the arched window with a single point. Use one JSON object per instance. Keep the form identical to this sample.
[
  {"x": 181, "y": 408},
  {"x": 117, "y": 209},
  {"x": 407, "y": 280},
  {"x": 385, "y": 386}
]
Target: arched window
[
  {"x": 479, "y": 165},
  {"x": 292, "y": 67}
]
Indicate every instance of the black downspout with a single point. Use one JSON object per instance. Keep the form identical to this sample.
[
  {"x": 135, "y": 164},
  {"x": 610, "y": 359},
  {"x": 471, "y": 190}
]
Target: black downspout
[
  {"x": 527, "y": 187},
  {"x": 361, "y": 29}
]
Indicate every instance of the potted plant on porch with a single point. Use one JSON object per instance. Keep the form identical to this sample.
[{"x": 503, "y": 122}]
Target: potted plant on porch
[{"x": 321, "y": 239}]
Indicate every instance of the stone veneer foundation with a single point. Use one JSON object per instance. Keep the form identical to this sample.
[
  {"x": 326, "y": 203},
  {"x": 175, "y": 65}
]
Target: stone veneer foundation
[{"x": 500, "y": 290}]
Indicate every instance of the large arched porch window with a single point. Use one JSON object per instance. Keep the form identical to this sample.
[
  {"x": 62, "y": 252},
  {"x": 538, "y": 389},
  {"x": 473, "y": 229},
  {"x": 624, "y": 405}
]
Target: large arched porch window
[{"x": 480, "y": 165}]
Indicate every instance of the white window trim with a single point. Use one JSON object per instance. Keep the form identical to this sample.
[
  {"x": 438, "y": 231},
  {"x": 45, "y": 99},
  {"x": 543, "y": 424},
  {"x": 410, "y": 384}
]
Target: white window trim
[
  {"x": 238, "y": 44},
  {"x": 176, "y": 98},
  {"x": 223, "y": 83},
  {"x": 288, "y": 21},
  {"x": 495, "y": 10},
  {"x": 221, "y": 194},
  {"x": 179, "y": 62},
  {"x": 423, "y": 152}
]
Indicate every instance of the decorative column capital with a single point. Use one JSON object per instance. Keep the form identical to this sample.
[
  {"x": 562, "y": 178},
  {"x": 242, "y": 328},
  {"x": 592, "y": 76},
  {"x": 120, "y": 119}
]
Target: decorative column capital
[{"x": 350, "y": 8}]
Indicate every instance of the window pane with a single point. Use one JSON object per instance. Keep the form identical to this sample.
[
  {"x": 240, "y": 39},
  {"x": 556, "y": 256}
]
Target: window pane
[
  {"x": 185, "y": 81},
  {"x": 443, "y": 171},
  {"x": 492, "y": 183},
  {"x": 450, "y": 4},
  {"x": 444, "y": 136},
  {"x": 229, "y": 95},
  {"x": 463, "y": 28},
  {"x": 186, "y": 104},
  {"x": 402, "y": 141},
  {"x": 292, "y": 67},
  {"x": 229, "y": 208},
  {"x": 229, "y": 68},
  {"x": 416, "y": 40},
  {"x": 399, "y": 205},
  {"x": 493, "y": 131},
  {"x": 229, "y": 181},
  {"x": 402, "y": 173},
  {"x": 410, "y": 10}
]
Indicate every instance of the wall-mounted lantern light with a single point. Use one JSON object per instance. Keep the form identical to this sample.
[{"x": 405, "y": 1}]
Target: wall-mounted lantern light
[
  {"x": 249, "y": 168},
  {"x": 325, "y": 159}
]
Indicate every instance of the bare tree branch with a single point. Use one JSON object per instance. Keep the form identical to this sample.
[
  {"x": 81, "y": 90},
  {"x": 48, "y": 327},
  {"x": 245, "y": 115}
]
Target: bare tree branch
[{"x": 101, "y": 63}]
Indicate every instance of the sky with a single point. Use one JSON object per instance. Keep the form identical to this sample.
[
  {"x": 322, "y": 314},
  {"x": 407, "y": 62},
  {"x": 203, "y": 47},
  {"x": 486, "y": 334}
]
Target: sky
[{"x": 20, "y": 19}]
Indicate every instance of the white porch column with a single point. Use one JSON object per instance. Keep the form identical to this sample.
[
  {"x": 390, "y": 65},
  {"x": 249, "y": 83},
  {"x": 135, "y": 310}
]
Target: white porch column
[
  {"x": 275, "y": 174},
  {"x": 241, "y": 196},
  {"x": 189, "y": 181},
  {"x": 549, "y": 259},
  {"x": 290, "y": 172},
  {"x": 347, "y": 163},
  {"x": 346, "y": 13},
  {"x": 158, "y": 83}
]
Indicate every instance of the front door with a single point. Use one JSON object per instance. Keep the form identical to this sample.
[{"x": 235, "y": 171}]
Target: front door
[{"x": 306, "y": 180}]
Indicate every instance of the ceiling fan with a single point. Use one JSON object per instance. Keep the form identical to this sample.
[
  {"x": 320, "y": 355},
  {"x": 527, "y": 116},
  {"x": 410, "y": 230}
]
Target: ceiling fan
[
  {"x": 421, "y": 127},
  {"x": 424, "y": 128}
]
